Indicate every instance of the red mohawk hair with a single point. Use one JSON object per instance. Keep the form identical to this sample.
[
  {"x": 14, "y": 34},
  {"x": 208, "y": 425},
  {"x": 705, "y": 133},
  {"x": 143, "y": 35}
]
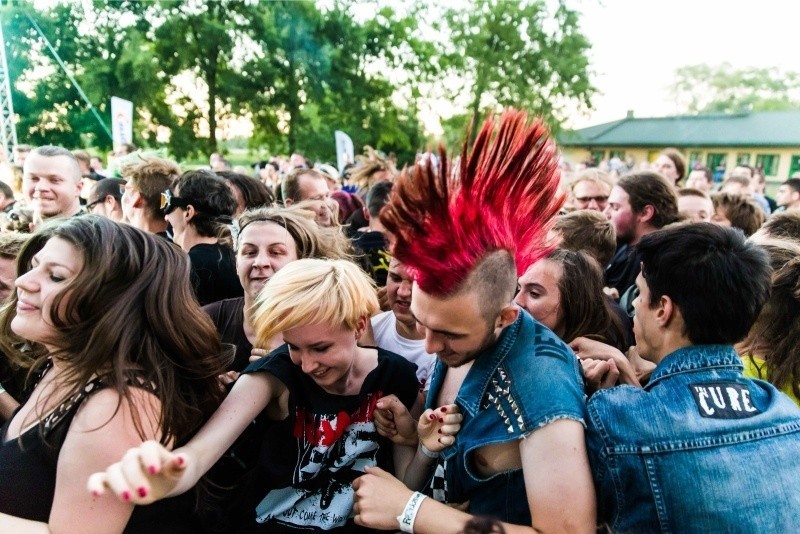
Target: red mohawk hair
[{"x": 505, "y": 196}]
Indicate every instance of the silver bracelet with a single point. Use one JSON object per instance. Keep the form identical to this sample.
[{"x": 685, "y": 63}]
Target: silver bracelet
[
  {"x": 410, "y": 512},
  {"x": 427, "y": 452}
]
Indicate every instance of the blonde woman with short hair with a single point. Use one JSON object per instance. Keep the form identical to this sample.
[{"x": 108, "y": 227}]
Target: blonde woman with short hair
[{"x": 318, "y": 393}]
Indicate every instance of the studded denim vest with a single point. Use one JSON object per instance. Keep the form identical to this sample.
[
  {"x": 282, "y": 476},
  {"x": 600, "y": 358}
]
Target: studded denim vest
[{"x": 528, "y": 379}]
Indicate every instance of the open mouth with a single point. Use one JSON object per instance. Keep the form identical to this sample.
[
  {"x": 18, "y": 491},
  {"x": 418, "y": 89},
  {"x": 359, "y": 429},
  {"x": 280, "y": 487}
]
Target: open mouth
[{"x": 319, "y": 374}]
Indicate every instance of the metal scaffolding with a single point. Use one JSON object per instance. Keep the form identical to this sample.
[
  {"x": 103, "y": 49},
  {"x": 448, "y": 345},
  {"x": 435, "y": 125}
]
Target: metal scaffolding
[{"x": 8, "y": 130}]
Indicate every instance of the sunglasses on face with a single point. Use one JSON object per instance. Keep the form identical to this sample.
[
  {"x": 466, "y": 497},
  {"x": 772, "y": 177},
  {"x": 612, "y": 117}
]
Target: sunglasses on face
[{"x": 169, "y": 202}]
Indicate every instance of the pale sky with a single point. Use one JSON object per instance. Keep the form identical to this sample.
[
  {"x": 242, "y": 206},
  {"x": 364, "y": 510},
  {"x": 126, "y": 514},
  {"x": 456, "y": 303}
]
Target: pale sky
[{"x": 638, "y": 45}]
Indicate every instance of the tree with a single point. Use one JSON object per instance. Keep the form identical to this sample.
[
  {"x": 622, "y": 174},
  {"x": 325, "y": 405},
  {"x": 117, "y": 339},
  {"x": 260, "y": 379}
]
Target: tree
[
  {"x": 725, "y": 89},
  {"x": 318, "y": 72},
  {"x": 518, "y": 54},
  {"x": 204, "y": 38}
]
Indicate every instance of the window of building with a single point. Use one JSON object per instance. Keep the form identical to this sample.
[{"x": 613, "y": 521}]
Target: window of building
[
  {"x": 715, "y": 161},
  {"x": 598, "y": 156},
  {"x": 617, "y": 154},
  {"x": 794, "y": 165},
  {"x": 695, "y": 159},
  {"x": 769, "y": 163},
  {"x": 743, "y": 158},
  {"x": 652, "y": 155}
]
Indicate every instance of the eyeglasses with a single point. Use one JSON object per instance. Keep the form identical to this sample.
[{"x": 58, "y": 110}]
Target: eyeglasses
[
  {"x": 90, "y": 205},
  {"x": 169, "y": 202},
  {"x": 599, "y": 199}
]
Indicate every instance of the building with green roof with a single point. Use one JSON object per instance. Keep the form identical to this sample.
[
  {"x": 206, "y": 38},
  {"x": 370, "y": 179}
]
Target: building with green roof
[{"x": 769, "y": 140}]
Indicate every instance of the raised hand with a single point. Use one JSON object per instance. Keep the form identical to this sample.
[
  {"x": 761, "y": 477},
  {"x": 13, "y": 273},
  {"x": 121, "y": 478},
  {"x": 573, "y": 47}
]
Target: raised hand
[
  {"x": 145, "y": 474},
  {"x": 393, "y": 421},
  {"x": 437, "y": 428},
  {"x": 599, "y": 374}
]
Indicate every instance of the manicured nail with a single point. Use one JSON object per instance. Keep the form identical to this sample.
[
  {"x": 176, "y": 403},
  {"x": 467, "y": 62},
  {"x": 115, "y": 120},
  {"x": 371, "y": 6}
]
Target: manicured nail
[
  {"x": 95, "y": 493},
  {"x": 432, "y": 417},
  {"x": 179, "y": 461},
  {"x": 152, "y": 469},
  {"x": 441, "y": 420},
  {"x": 444, "y": 409},
  {"x": 126, "y": 496},
  {"x": 142, "y": 492},
  {"x": 439, "y": 431}
]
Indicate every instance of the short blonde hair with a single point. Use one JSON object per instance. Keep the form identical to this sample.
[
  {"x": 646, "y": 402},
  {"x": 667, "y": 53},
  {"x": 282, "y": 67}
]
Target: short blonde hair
[{"x": 313, "y": 291}]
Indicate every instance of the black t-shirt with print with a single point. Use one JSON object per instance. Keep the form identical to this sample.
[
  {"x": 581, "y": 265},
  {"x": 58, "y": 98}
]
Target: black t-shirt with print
[{"x": 309, "y": 461}]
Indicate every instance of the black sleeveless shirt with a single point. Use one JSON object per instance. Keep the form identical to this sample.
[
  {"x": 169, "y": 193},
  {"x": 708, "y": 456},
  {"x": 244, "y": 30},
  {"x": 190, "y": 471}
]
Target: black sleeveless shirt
[{"x": 28, "y": 467}]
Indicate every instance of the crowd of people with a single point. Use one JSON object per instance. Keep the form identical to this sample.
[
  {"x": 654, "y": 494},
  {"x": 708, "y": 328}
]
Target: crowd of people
[{"x": 486, "y": 342}]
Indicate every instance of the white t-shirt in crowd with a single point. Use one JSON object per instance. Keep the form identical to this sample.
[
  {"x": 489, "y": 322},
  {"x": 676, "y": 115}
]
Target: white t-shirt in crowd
[{"x": 386, "y": 337}]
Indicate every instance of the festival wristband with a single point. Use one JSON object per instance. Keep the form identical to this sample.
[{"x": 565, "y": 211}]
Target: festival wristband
[
  {"x": 410, "y": 512},
  {"x": 2, "y": 389},
  {"x": 427, "y": 452}
]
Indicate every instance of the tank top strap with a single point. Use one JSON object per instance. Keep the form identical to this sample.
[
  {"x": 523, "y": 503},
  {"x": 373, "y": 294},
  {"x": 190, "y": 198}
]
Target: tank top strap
[{"x": 69, "y": 405}]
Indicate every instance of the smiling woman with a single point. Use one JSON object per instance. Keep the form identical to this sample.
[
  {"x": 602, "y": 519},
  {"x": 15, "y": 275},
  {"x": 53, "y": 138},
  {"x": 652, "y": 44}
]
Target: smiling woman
[
  {"x": 99, "y": 388},
  {"x": 269, "y": 239},
  {"x": 316, "y": 395}
]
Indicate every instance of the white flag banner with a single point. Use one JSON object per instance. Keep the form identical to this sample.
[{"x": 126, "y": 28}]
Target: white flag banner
[
  {"x": 344, "y": 149},
  {"x": 121, "y": 121}
]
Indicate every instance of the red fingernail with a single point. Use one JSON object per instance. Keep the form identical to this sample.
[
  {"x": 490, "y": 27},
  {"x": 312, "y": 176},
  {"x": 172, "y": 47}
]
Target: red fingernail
[
  {"x": 439, "y": 431},
  {"x": 142, "y": 492},
  {"x": 443, "y": 409},
  {"x": 152, "y": 469},
  {"x": 432, "y": 417},
  {"x": 179, "y": 461},
  {"x": 441, "y": 420},
  {"x": 95, "y": 493},
  {"x": 126, "y": 496}
]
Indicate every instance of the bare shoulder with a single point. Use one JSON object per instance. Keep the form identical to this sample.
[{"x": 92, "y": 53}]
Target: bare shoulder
[{"x": 106, "y": 408}]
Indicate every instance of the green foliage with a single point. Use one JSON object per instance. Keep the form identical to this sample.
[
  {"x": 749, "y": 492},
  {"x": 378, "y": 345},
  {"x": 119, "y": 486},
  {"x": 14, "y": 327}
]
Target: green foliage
[
  {"x": 298, "y": 70},
  {"x": 724, "y": 89},
  {"x": 518, "y": 54}
]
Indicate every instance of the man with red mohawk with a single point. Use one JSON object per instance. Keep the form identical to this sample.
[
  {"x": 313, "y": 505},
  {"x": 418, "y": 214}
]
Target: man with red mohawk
[{"x": 465, "y": 236}]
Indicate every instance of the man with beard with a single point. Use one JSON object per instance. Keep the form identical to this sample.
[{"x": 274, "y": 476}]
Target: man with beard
[
  {"x": 464, "y": 236},
  {"x": 639, "y": 204}
]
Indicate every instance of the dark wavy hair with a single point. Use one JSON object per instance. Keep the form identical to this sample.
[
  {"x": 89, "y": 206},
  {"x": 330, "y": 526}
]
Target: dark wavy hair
[
  {"x": 650, "y": 188},
  {"x": 586, "y": 310},
  {"x": 254, "y": 193},
  {"x": 775, "y": 336},
  {"x": 129, "y": 317},
  {"x": 211, "y": 198}
]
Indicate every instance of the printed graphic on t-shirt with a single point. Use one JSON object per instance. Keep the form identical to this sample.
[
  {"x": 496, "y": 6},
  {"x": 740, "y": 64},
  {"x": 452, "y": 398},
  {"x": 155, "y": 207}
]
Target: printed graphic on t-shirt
[{"x": 333, "y": 450}]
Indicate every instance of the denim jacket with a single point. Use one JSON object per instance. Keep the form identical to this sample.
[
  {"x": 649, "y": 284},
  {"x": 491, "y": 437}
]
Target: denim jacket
[
  {"x": 526, "y": 380},
  {"x": 700, "y": 449}
]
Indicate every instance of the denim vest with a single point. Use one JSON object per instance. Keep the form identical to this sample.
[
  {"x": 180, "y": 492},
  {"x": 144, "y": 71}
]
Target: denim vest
[
  {"x": 700, "y": 449},
  {"x": 527, "y": 379}
]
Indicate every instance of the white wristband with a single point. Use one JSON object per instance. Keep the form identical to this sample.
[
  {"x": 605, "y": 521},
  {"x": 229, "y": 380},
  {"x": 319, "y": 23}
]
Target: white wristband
[
  {"x": 2, "y": 389},
  {"x": 410, "y": 512},
  {"x": 427, "y": 452}
]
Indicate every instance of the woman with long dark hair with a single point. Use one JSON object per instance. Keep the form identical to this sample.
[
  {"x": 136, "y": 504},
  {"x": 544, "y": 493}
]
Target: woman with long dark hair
[{"x": 119, "y": 351}]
